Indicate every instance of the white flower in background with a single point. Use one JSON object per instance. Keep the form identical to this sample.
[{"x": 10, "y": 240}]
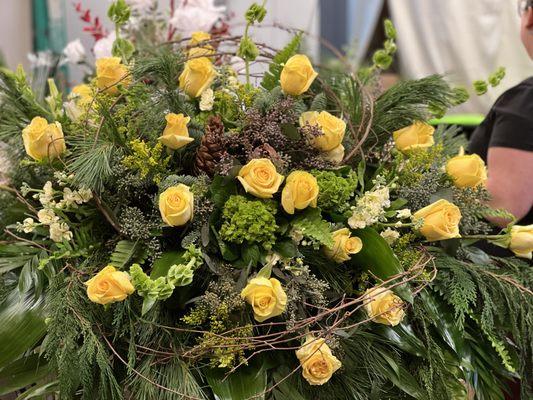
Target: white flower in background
[
  {"x": 41, "y": 59},
  {"x": 47, "y": 216},
  {"x": 74, "y": 52},
  {"x": 370, "y": 208},
  {"x": 404, "y": 213},
  {"x": 196, "y": 15},
  {"x": 72, "y": 110},
  {"x": 390, "y": 235},
  {"x": 238, "y": 64},
  {"x": 60, "y": 231},
  {"x": 102, "y": 48},
  {"x": 141, "y": 6},
  {"x": 27, "y": 226},
  {"x": 207, "y": 100}
]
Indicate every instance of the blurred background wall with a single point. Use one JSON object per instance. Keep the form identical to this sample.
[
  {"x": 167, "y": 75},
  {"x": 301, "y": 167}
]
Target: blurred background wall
[
  {"x": 15, "y": 31},
  {"x": 466, "y": 40}
]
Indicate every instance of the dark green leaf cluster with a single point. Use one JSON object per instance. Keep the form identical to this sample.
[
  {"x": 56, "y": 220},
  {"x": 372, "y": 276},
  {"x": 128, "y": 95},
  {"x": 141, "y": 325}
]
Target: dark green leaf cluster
[{"x": 249, "y": 221}]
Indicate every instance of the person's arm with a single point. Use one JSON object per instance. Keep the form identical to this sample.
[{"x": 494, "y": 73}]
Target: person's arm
[{"x": 510, "y": 181}]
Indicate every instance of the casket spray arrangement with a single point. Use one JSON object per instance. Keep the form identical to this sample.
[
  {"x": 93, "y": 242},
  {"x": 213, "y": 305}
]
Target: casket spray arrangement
[{"x": 172, "y": 232}]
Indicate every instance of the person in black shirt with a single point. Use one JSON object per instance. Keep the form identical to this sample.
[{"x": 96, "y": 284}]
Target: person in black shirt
[{"x": 505, "y": 140}]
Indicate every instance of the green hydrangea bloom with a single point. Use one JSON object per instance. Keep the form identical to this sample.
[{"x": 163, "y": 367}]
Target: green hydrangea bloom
[
  {"x": 335, "y": 191},
  {"x": 249, "y": 221}
]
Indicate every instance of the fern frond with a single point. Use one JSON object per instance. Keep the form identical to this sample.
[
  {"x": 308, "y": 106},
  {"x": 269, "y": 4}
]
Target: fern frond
[{"x": 127, "y": 252}]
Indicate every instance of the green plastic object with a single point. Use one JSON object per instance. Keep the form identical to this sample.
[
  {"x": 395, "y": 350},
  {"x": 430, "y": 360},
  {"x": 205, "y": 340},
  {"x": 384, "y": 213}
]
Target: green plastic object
[{"x": 459, "y": 119}]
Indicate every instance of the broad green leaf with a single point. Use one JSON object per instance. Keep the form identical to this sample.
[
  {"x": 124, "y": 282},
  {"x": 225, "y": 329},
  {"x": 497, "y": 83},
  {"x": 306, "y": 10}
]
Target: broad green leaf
[
  {"x": 249, "y": 381},
  {"x": 251, "y": 254},
  {"x": 22, "y": 373},
  {"x": 163, "y": 263},
  {"x": 402, "y": 336},
  {"x": 40, "y": 391},
  {"x": 21, "y": 325},
  {"x": 377, "y": 256}
]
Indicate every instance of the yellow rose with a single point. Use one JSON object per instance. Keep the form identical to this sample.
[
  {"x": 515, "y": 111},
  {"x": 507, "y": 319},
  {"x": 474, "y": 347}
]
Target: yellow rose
[
  {"x": 467, "y": 170},
  {"x": 205, "y": 50},
  {"x": 383, "y": 306},
  {"x": 440, "y": 220},
  {"x": 109, "y": 286},
  {"x": 43, "y": 140},
  {"x": 333, "y": 129},
  {"x": 345, "y": 245},
  {"x": 83, "y": 94},
  {"x": 300, "y": 191},
  {"x": 176, "y": 205},
  {"x": 334, "y": 156},
  {"x": 197, "y": 76},
  {"x": 317, "y": 361},
  {"x": 416, "y": 136},
  {"x": 297, "y": 75},
  {"x": 260, "y": 178},
  {"x": 110, "y": 73},
  {"x": 522, "y": 241},
  {"x": 176, "y": 134},
  {"x": 266, "y": 296}
]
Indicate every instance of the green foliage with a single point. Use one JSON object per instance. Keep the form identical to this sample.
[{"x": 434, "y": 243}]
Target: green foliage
[
  {"x": 255, "y": 13},
  {"x": 250, "y": 221},
  {"x": 310, "y": 224},
  {"x": 119, "y": 12},
  {"x": 271, "y": 77},
  {"x": 127, "y": 252},
  {"x": 92, "y": 164},
  {"x": 407, "y": 102},
  {"x": 248, "y": 381},
  {"x": 74, "y": 348},
  {"x": 162, "y": 65},
  {"x": 480, "y": 87},
  {"x": 147, "y": 160},
  {"x": 335, "y": 190}
]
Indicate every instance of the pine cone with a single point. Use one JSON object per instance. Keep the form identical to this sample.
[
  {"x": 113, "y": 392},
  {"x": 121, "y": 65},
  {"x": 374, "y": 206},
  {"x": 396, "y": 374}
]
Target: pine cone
[{"x": 211, "y": 148}]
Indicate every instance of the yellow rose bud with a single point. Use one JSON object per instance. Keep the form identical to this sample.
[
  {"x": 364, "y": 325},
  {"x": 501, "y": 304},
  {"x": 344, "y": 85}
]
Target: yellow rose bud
[
  {"x": 176, "y": 134},
  {"x": 43, "y": 140},
  {"x": 110, "y": 73},
  {"x": 317, "y": 361},
  {"x": 297, "y": 75},
  {"x": 333, "y": 129},
  {"x": 197, "y": 76},
  {"x": 522, "y": 241},
  {"x": 199, "y": 37},
  {"x": 440, "y": 220},
  {"x": 176, "y": 205},
  {"x": 345, "y": 245},
  {"x": 414, "y": 137},
  {"x": 266, "y": 296},
  {"x": 83, "y": 94},
  {"x": 383, "y": 306},
  {"x": 205, "y": 50},
  {"x": 467, "y": 170},
  {"x": 260, "y": 178},
  {"x": 300, "y": 191},
  {"x": 109, "y": 286},
  {"x": 334, "y": 156}
]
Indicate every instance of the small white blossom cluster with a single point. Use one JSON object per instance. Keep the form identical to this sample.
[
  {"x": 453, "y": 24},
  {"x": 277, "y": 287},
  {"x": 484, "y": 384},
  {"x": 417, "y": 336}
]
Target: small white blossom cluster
[
  {"x": 390, "y": 235},
  {"x": 141, "y": 6},
  {"x": 74, "y": 52},
  {"x": 370, "y": 208},
  {"x": 207, "y": 100},
  {"x": 58, "y": 229}
]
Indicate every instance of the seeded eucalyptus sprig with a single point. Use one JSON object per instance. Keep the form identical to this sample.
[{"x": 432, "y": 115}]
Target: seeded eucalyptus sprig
[{"x": 248, "y": 50}]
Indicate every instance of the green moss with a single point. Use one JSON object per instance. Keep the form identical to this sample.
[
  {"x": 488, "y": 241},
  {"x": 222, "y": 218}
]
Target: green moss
[{"x": 250, "y": 221}]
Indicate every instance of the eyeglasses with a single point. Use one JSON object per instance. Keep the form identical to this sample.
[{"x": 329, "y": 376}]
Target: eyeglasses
[{"x": 523, "y": 5}]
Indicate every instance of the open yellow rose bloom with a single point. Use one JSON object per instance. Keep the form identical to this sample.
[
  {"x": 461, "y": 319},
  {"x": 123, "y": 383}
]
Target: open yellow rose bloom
[
  {"x": 109, "y": 286},
  {"x": 317, "y": 361},
  {"x": 266, "y": 297}
]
